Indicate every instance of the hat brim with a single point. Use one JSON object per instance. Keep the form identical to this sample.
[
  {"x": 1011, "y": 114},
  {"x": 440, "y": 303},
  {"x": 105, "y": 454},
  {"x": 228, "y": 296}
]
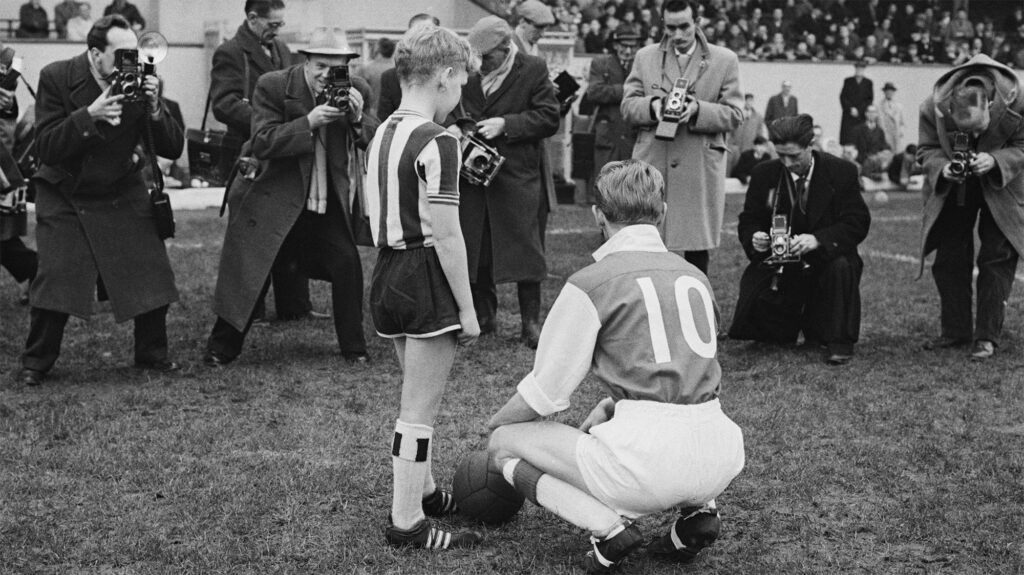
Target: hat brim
[{"x": 328, "y": 52}]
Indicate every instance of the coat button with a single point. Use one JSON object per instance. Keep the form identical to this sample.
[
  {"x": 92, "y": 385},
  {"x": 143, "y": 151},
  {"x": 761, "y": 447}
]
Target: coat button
[{"x": 674, "y": 164}]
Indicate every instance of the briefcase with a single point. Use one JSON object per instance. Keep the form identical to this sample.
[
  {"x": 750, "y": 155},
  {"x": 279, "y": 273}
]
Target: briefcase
[{"x": 211, "y": 155}]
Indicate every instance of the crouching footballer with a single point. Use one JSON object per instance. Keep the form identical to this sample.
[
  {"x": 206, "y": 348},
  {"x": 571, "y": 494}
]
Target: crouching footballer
[{"x": 644, "y": 321}]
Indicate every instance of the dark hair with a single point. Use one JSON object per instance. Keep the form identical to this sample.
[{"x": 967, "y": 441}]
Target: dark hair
[
  {"x": 386, "y": 47},
  {"x": 97, "y": 37},
  {"x": 424, "y": 16},
  {"x": 680, "y": 6},
  {"x": 748, "y": 96},
  {"x": 797, "y": 130},
  {"x": 262, "y": 8},
  {"x": 759, "y": 139}
]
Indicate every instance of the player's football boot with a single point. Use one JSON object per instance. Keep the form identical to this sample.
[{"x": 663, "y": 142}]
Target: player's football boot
[
  {"x": 423, "y": 535},
  {"x": 439, "y": 503},
  {"x": 696, "y": 529},
  {"x": 608, "y": 553}
]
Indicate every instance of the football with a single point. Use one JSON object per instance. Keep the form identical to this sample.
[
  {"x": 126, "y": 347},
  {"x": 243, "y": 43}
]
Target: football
[{"x": 481, "y": 491}]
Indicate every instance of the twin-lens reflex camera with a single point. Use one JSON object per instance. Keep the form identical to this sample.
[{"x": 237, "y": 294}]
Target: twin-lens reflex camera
[
  {"x": 673, "y": 108},
  {"x": 963, "y": 155},
  {"x": 133, "y": 65},
  {"x": 338, "y": 85}
]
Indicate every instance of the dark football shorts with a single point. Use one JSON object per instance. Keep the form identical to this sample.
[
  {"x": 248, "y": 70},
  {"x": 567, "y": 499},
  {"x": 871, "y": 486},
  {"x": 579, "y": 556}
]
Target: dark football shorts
[{"x": 410, "y": 296}]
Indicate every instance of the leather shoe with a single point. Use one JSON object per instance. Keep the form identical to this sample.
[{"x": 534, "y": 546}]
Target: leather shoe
[
  {"x": 531, "y": 334},
  {"x": 356, "y": 357},
  {"x": 214, "y": 359},
  {"x": 838, "y": 359},
  {"x": 487, "y": 324},
  {"x": 982, "y": 350},
  {"x": 162, "y": 366},
  {"x": 945, "y": 342},
  {"x": 31, "y": 377}
]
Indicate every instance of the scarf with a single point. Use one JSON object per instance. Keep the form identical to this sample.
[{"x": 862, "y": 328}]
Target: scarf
[
  {"x": 492, "y": 80},
  {"x": 316, "y": 201}
]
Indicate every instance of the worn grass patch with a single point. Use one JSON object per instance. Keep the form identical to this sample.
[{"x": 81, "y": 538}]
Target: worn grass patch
[{"x": 904, "y": 461}]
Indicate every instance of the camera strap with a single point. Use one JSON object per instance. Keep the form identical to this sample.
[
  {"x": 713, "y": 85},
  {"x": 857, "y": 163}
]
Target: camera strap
[{"x": 209, "y": 94}]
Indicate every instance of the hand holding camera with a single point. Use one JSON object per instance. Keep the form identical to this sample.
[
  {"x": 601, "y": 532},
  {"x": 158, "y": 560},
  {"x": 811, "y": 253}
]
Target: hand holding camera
[
  {"x": 107, "y": 107},
  {"x": 322, "y": 115},
  {"x": 490, "y": 128},
  {"x": 6, "y": 99}
]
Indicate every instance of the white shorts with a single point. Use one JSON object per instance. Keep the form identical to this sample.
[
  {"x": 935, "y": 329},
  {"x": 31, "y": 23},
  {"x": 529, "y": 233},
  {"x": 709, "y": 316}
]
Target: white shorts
[{"x": 653, "y": 456}]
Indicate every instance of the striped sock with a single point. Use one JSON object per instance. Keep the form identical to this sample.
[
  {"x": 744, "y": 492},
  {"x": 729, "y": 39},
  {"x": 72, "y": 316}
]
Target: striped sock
[{"x": 410, "y": 453}]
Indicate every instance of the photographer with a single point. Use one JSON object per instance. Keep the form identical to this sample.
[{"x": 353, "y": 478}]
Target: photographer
[
  {"x": 303, "y": 203},
  {"x": 95, "y": 226},
  {"x": 15, "y": 256},
  {"x": 693, "y": 161},
  {"x": 972, "y": 151},
  {"x": 237, "y": 63},
  {"x": 819, "y": 195}
]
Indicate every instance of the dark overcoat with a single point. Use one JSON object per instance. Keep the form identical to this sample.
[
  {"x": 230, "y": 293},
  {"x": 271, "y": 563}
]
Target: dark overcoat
[
  {"x": 777, "y": 109},
  {"x": 836, "y": 215},
  {"x": 93, "y": 214},
  {"x": 613, "y": 136},
  {"x": 857, "y": 95},
  {"x": 1003, "y": 187},
  {"x": 526, "y": 100},
  {"x": 231, "y": 88},
  {"x": 262, "y": 215}
]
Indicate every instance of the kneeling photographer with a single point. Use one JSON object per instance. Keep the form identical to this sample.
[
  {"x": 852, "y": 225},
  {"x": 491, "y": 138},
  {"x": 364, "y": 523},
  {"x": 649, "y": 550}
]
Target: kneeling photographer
[
  {"x": 801, "y": 223},
  {"x": 97, "y": 230},
  {"x": 972, "y": 152}
]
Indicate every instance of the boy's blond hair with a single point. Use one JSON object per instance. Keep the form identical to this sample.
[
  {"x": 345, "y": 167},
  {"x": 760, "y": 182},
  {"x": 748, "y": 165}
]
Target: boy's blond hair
[
  {"x": 425, "y": 50},
  {"x": 631, "y": 192}
]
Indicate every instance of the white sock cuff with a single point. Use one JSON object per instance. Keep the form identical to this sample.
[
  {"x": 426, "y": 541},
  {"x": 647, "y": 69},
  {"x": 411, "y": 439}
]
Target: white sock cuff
[
  {"x": 509, "y": 470},
  {"x": 412, "y": 441}
]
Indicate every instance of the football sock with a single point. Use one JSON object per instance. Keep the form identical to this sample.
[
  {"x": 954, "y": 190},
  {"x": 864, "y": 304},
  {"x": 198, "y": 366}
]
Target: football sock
[
  {"x": 429, "y": 486},
  {"x": 410, "y": 453},
  {"x": 564, "y": 500}
]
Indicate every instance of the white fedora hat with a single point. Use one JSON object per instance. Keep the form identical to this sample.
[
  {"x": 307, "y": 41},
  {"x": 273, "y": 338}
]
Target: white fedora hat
[{"x": 328, "y": 42}]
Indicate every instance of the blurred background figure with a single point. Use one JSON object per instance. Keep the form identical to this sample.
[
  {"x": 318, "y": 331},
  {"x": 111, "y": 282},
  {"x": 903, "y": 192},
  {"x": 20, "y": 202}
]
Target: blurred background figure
[
  {"x": 613, "y": 136},
  {"x": 79, "y": 25},
  {"x": 371, "y": 71},
  {"x": 782, "y": 104},
  {"x": 32, "y": 21},
  {"x": 129, "y": 11}
]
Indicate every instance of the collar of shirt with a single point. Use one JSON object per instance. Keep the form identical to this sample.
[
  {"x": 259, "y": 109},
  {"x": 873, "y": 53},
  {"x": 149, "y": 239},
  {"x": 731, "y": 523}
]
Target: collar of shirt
[
  {"x": 807, "y": 177},
  {"x": 688, "y": 52},
  {"x": 636, "y": 238}
]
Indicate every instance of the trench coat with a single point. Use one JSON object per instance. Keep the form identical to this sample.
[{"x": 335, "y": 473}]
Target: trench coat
[
  {"x": 614, "y": 138},
  {"x": 694, "y": 163},
  {"x": 1003, "y": 187},
  {"x": 526, "y": 100},
  {"x": 93, "y": 213},
  {"x": 231, "y": 87},
  {"x": 260, "y": 217},
  {"x": 890, "y": 118}
]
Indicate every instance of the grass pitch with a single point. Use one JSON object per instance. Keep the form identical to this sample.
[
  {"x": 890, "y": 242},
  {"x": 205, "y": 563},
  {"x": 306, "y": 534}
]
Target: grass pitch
[{"x": 904, "y": 461}]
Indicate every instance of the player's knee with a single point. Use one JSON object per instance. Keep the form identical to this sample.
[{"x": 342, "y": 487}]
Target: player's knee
[{"x": 501, "y": 444}]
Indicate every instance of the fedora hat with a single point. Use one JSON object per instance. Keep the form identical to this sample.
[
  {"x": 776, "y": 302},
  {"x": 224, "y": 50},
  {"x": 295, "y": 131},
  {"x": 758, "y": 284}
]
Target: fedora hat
[{"x": 328, "y": 42}]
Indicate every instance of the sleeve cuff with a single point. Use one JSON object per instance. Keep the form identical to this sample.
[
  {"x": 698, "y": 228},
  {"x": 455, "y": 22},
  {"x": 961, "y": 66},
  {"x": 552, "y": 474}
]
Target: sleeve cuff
[{"x": 530, "y": 389}]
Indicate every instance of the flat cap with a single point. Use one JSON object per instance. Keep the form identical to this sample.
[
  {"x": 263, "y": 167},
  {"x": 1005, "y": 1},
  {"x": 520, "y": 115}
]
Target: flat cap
[
  {"x": 488, "y": 33},
  {"x": 536, "y": 12},
  {"x": 889, "y": 86}
]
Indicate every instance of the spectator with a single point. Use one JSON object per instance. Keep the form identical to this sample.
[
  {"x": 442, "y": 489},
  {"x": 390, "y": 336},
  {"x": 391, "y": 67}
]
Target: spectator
[
  {"x": 890, "y": 117},
  {"x": 62, "y": 13},
  {"x": 78, "y": 26},
  {"x": 750, "y": 158},
  {"x": 614, "y": 138},
  {"x": 872, "y": 52},
  {"x": 884, "y": 34},
  {"x": 383, "y": 60},
  {"x": 534, "y": 17},
  {"x": 782, "y": 104},
  {"x": 873, "y": 153},
  {"x": 742, "y": 138},
  {"x": 593, "y": 43},
  {"x": 960, "y": 28},
  {"x": 33, "y": 21},
  {"x": 858, "y": 92},
  {"x": 390, "y": 90},
  {"x": 129, "y": 11}
]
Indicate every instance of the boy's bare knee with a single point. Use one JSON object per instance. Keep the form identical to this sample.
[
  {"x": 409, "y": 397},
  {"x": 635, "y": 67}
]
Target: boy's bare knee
[{"x": 500, "y": 444}]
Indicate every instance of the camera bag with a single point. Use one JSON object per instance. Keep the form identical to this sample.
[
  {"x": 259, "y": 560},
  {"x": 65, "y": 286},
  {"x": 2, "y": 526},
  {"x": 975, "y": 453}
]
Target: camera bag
[{"x": 212, "y": 153}]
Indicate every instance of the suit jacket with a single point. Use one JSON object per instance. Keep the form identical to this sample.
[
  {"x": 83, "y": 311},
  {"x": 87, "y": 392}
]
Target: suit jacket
[
  {"x": 94, "y": 214},
  {"x": 261, "y": 216},
  {"x": 390, "y": 94},
  {"x": 776, "y": 109},
  {"x": 613, "y": 136},
  {"x": 868, "y": 141},
  {"x": 526, "y": 100},
  {"x": 231, "y": 88}
]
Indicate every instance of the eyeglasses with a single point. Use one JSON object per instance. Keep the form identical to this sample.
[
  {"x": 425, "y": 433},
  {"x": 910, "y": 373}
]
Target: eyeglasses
[{"x": 275, "y": 25}]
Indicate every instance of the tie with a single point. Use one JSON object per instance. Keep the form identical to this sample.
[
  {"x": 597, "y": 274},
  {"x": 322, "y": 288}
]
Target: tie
[
  {"x": 275, "y": 58},
  {"x": 801, "y": 192}
]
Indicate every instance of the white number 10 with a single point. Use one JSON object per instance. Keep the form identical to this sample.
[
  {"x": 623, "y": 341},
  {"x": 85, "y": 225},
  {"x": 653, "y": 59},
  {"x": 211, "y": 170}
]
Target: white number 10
[{"x": 687, "y": 321}]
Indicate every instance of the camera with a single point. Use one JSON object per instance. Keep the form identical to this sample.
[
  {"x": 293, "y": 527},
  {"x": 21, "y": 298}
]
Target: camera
[
  {"x": 672, "y": 110},
  {"x": 338, "y": 84},
  {"x": 480, "y": 161},
  {"x": 780, "y": 246},
  {"x": 12, "y": 67},
  {"x": 963, "y": 155},
  {"x": 130, "y": 75}
]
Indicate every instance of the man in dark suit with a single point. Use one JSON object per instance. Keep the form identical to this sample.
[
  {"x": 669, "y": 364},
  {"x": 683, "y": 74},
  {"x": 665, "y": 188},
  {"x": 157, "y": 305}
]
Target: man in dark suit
[
  {"x": 782, "y": 104},
  {"x": 237, "y": 64},
  {"x": 513, "y": 104},
  {"x": 390, "y": 90},
  {"x": 750, "y": 158},
  {"x": 613, "y": 136},
  {"x": 95, "y": 220},
  {"x": 857, "y": 94},
  {"x": 819, "y": 295},
  {"x": 304, "y": 202}
]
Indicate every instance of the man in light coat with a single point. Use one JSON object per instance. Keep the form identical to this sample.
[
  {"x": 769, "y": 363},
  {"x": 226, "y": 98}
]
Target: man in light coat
[
  {"x": 694, "y": 162},
  {"x": 890, "y": 118},
  {"x": 979, "y": 101}
]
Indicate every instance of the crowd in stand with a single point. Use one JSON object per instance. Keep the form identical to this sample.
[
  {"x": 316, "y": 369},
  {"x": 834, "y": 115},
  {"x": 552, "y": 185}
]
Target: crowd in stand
[
  {"x": 908, "y": 32},
  {"x": 72, "y": 19}
]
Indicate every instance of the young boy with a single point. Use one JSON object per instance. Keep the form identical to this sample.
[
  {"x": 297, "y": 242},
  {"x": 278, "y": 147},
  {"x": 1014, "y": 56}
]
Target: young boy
[
  {"x": 420, "y": 296},
  {"x": 644, "y": 320}
]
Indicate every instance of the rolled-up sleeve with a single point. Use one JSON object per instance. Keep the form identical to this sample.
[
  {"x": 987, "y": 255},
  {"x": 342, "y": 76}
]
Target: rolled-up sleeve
[{"x": 564, "y": 354}]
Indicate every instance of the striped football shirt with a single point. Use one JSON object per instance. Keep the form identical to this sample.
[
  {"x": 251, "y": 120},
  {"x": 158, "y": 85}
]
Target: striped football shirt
[{"x": 412, "y": 163}]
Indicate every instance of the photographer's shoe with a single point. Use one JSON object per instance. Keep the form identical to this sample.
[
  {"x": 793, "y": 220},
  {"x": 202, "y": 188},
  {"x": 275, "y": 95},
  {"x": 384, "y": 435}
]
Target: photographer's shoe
[
  {"x": 439, "y": 504},
  {"x": 696, "y": 529},
  {"x": 30, "y": 377},
  {"x": 982, "y": 350},
  {"x": 945, "y": 342},
  {"x": 606, "y": 554},
  {"x": 424, "y": 536}
]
